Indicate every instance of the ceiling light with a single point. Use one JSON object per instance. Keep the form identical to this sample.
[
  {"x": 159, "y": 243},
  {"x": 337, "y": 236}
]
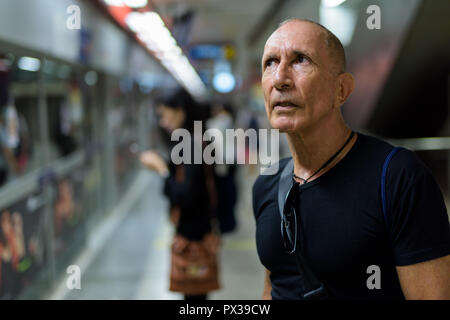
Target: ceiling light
[
  {"x": 332, "y": 3},
  {"x": 154, "y": 17},
  {"x": 224, "y": 82},
  {"x": 341, "y": 21},
  {"x": 151, "y": 30},
  {"x": 135, "y": 3},
  {"x": 135, "y": 22},
  {"x": 114, "y": 3},
  {"x": 29, "y": 64}
]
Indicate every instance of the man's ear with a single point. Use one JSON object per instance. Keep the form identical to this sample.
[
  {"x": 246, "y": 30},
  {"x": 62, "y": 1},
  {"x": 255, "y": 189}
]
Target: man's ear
[{"x": 346, "y": 84}]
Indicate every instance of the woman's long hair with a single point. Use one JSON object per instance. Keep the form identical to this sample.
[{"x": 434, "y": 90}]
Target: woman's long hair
[{"x": 193, "y": 110}]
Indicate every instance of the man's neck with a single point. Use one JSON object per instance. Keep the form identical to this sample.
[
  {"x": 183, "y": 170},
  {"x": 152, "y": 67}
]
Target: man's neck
[{"x": 311, "y": 148}]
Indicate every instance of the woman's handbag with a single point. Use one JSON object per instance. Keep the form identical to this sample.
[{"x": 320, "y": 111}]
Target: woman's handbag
[{"x": 194, "y": 268}]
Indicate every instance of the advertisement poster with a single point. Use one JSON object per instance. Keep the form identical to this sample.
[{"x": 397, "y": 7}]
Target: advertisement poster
[
  {"x": 22, "y": 247},
  {"x": 68, "y": 211}
]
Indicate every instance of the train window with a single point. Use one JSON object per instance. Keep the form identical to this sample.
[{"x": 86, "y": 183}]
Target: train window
[
  {"x": 18, "y": 120},
  {"x": 65, "y": 108},
  {"x": 123, "y": 119}
]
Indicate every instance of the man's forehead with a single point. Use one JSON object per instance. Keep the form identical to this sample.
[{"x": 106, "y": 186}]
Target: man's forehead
[{"x": 296, "y": 34}]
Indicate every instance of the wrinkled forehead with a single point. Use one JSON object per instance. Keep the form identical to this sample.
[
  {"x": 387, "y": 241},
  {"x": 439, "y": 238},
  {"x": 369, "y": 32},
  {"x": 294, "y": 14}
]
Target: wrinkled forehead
[{"x": 299, "y": 36}]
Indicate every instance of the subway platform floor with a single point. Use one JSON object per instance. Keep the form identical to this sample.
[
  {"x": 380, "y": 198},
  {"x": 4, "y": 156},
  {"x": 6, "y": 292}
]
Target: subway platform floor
[
  {"x": 133, "y": 259},
  {"x": 128, "y": 258}
]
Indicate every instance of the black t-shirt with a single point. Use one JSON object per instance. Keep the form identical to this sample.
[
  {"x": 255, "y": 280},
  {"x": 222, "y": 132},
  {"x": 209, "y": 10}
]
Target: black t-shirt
[
  {"x": 343, "y": 227},
  {"x": 191, "y": 195}
]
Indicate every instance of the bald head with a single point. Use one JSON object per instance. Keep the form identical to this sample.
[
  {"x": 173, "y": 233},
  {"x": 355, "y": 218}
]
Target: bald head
[{"x": 336, "y": 49}]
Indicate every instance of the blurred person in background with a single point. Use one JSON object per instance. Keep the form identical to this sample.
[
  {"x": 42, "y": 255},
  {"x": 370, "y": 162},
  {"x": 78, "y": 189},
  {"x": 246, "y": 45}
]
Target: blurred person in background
[
  {"x": 191, "y": 193},
  {"x": 9, "y": 142},
  {"x": 9, "y": 124},
  {"x": 224, "y": 173},
  {"x": 24, "y": 149},
  {"x": 65, "y": 129},
  {"x": 247, "y": 119}
]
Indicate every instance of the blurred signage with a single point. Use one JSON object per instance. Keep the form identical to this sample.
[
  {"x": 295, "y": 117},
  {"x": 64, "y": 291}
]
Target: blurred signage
[
  {"x": 212, "y": 52},
  {"x": 85, "y": 50}
]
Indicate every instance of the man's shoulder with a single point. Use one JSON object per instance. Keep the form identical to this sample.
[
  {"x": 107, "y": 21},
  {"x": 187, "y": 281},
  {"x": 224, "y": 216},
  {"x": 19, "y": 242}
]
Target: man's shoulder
[
  {"x": 375, "y": 145},
  {"x": 407, "y": 165},
  {"x": 404, "y": 159}
]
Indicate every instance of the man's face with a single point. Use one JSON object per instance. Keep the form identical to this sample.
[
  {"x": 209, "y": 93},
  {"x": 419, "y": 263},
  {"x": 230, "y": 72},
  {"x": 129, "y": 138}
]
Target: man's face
[{"x": 298, "y": 77}]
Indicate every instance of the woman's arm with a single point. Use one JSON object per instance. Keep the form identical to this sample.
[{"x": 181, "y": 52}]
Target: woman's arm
[{"x": 153, "y": 161}]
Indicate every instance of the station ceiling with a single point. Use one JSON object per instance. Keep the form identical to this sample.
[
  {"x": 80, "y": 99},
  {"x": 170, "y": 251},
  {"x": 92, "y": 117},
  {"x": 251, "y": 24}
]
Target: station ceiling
[{"x": 217, "y": 20}]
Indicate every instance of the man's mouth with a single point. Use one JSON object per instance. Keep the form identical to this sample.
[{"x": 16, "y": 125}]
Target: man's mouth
[{"x": 284, "y": 105}]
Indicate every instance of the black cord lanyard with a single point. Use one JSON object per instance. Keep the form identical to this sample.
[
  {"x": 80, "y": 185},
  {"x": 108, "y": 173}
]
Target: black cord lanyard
[{"x": 328, "y": 161}]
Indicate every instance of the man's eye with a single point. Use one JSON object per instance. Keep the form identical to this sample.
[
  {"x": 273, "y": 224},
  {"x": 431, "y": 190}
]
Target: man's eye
[
  {"x": 268, "y": 63},
  {"x": 301, "y": 59}
]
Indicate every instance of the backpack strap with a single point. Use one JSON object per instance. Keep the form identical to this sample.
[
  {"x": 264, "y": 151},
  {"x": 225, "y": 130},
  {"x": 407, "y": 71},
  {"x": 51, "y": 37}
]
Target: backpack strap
[
  {"x": 312, "y": 288},
  {"x": 285, "y": 184},
  {"x": 383, "y": 183}
]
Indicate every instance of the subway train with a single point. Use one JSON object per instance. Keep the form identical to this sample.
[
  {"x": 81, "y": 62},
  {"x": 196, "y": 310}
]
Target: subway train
[{"x": 78, "y": 82}]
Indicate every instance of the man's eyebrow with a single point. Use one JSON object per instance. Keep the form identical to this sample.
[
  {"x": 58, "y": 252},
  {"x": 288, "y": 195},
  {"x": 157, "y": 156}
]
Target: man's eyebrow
[
  {"x": 295, "y": 53},
  {"x": 269, "y": 56},
  {"x": 302, "y": 53},
  {"x": 307, "y": 55}
]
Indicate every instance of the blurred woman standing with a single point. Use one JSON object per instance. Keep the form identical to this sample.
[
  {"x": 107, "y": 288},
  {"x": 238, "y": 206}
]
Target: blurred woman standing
[{"x": 191, "y": 193}]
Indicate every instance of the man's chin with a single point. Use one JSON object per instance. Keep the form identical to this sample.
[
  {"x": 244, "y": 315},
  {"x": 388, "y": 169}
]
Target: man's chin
[{"x": 284, "y": 126}]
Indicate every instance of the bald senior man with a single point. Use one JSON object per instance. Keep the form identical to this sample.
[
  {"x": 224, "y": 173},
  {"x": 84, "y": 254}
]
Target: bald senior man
[{"x": 357, "y": 219}]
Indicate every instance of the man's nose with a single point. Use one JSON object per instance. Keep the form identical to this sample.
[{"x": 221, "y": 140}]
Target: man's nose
[{"x": 282, "y": 79}]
